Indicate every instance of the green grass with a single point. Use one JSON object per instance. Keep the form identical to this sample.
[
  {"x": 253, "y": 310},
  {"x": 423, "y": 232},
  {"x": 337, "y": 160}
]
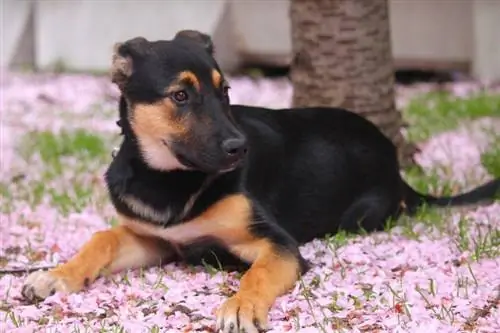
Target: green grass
[
  {"x": 439, "y": 111},
  {"x": 75, "y": 156},
  {"x": 491, "y": 158},
  {"x": 436, "y": 112},
  {"x": 429, "y": 181},
  {"x": 429, "y": 115},
  {"x": 52, "y": 147}
]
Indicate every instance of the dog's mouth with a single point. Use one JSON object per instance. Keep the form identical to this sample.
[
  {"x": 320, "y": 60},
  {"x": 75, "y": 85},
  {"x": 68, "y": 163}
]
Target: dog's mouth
[
  {"x": 186, "y": 162},
  {"x": 190, "y": 164},
  {"x": 231, "y": 167},
  {"x": 180, "y": 157}
]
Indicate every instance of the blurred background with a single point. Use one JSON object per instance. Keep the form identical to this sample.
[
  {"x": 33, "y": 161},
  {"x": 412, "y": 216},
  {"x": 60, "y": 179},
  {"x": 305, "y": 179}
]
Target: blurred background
[{"x": 432, "y": 40}]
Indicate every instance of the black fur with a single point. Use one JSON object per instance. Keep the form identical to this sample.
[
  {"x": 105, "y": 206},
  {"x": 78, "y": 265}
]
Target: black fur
[{"x": 308, "y": 171}]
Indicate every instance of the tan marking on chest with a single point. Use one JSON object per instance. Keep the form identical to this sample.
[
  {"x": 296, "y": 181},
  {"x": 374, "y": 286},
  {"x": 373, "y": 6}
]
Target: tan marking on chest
[
  {"x": 226, "y": 220},
  {"x": 142, "y": 209}
]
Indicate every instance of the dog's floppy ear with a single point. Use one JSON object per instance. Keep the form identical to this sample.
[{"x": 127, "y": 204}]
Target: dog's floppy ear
[
  {"x": 124, "y": 56},
  {"x": 196, "y": 36}
]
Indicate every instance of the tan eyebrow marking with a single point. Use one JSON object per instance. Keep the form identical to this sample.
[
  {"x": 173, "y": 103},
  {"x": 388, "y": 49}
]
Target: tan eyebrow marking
[
  {"x": 216, "y": 78},
  {"x": 188, "y": 76}
]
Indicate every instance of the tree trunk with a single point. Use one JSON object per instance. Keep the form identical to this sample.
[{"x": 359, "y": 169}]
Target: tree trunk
[{"x": 343, "y": 58}]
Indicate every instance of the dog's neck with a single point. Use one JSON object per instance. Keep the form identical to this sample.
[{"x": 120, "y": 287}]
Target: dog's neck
[{"x": 160, "y": 197}]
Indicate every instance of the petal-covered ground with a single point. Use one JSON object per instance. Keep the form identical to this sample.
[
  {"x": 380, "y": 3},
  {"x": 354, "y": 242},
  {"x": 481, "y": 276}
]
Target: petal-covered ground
[{"x": 437, "y": 272}]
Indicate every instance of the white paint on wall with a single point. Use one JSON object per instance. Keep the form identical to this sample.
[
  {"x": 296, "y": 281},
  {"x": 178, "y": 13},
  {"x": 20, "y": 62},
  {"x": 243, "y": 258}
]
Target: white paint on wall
[
  {"x": 486, "y": 29},
  {"x": 263, "y": 26},
  {"x": 14, "y": 18},
  {"x": 81, "y": 33},
  {"x": 431, "y": 30}
]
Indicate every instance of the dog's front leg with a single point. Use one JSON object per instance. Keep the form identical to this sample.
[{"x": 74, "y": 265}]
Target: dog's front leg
[
  {"x": 273, "y": 272},
  {"x": 115, "y": 249},
  {"x": 242, "y": 226}
]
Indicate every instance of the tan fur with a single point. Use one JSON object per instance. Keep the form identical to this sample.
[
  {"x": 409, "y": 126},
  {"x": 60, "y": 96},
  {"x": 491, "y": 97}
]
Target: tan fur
[
  {"x": 157, "y": 123},
  {"x": 216, "y": 79},
  {"x": 157, "y": 120},
  {"x": 227, "y": 220},
  {"x": 135, "y": 244},
  {"x": 153, "y": 124},
  {"x": 115, "y": 249},
  {"x": 189, "y": 77},
  {"x": 271, "y": 275}
]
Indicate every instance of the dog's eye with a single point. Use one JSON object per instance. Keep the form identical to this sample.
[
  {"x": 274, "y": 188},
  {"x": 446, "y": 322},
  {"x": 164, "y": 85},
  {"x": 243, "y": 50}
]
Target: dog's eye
[{"x": 180, "y": 96}]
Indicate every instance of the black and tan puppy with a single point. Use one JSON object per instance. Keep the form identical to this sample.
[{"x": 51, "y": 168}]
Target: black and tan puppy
[{"x": 194, "y": 173}]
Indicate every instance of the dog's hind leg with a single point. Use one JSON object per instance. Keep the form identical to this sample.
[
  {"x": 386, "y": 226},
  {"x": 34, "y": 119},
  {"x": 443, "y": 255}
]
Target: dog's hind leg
[
  {"x": 370, "y": 211},
  {"x": 114, "y": 250}
]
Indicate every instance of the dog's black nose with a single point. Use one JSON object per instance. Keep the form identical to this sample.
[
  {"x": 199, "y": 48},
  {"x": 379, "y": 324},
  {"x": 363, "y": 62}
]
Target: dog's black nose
[{"x": 235, "y": 147}]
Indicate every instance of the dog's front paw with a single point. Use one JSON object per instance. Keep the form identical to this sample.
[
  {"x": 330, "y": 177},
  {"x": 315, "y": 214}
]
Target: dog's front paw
[
  {"x": 42, "y": 284},
  {"x": 243, "y": 313}
]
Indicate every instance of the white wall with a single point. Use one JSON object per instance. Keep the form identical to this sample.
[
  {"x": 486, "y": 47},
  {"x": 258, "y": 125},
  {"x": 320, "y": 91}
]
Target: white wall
[
  {"x": 80, "y": 33},
  {"x": 14, "y": 19},
  {"x": 486, "y": 32},
  {"x": 434, "y": 30}
]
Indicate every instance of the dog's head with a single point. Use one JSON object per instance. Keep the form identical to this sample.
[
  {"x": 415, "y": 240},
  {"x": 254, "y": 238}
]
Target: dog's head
[{"x": 177, "y": 103}]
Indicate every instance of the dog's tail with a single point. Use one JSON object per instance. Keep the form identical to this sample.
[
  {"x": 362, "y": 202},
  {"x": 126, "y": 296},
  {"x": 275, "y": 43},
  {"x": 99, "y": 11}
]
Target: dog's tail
[{"x": 485, "y": 193}]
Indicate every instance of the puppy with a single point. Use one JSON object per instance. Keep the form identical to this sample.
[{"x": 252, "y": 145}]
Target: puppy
[{"x": 195, "y": 175}]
